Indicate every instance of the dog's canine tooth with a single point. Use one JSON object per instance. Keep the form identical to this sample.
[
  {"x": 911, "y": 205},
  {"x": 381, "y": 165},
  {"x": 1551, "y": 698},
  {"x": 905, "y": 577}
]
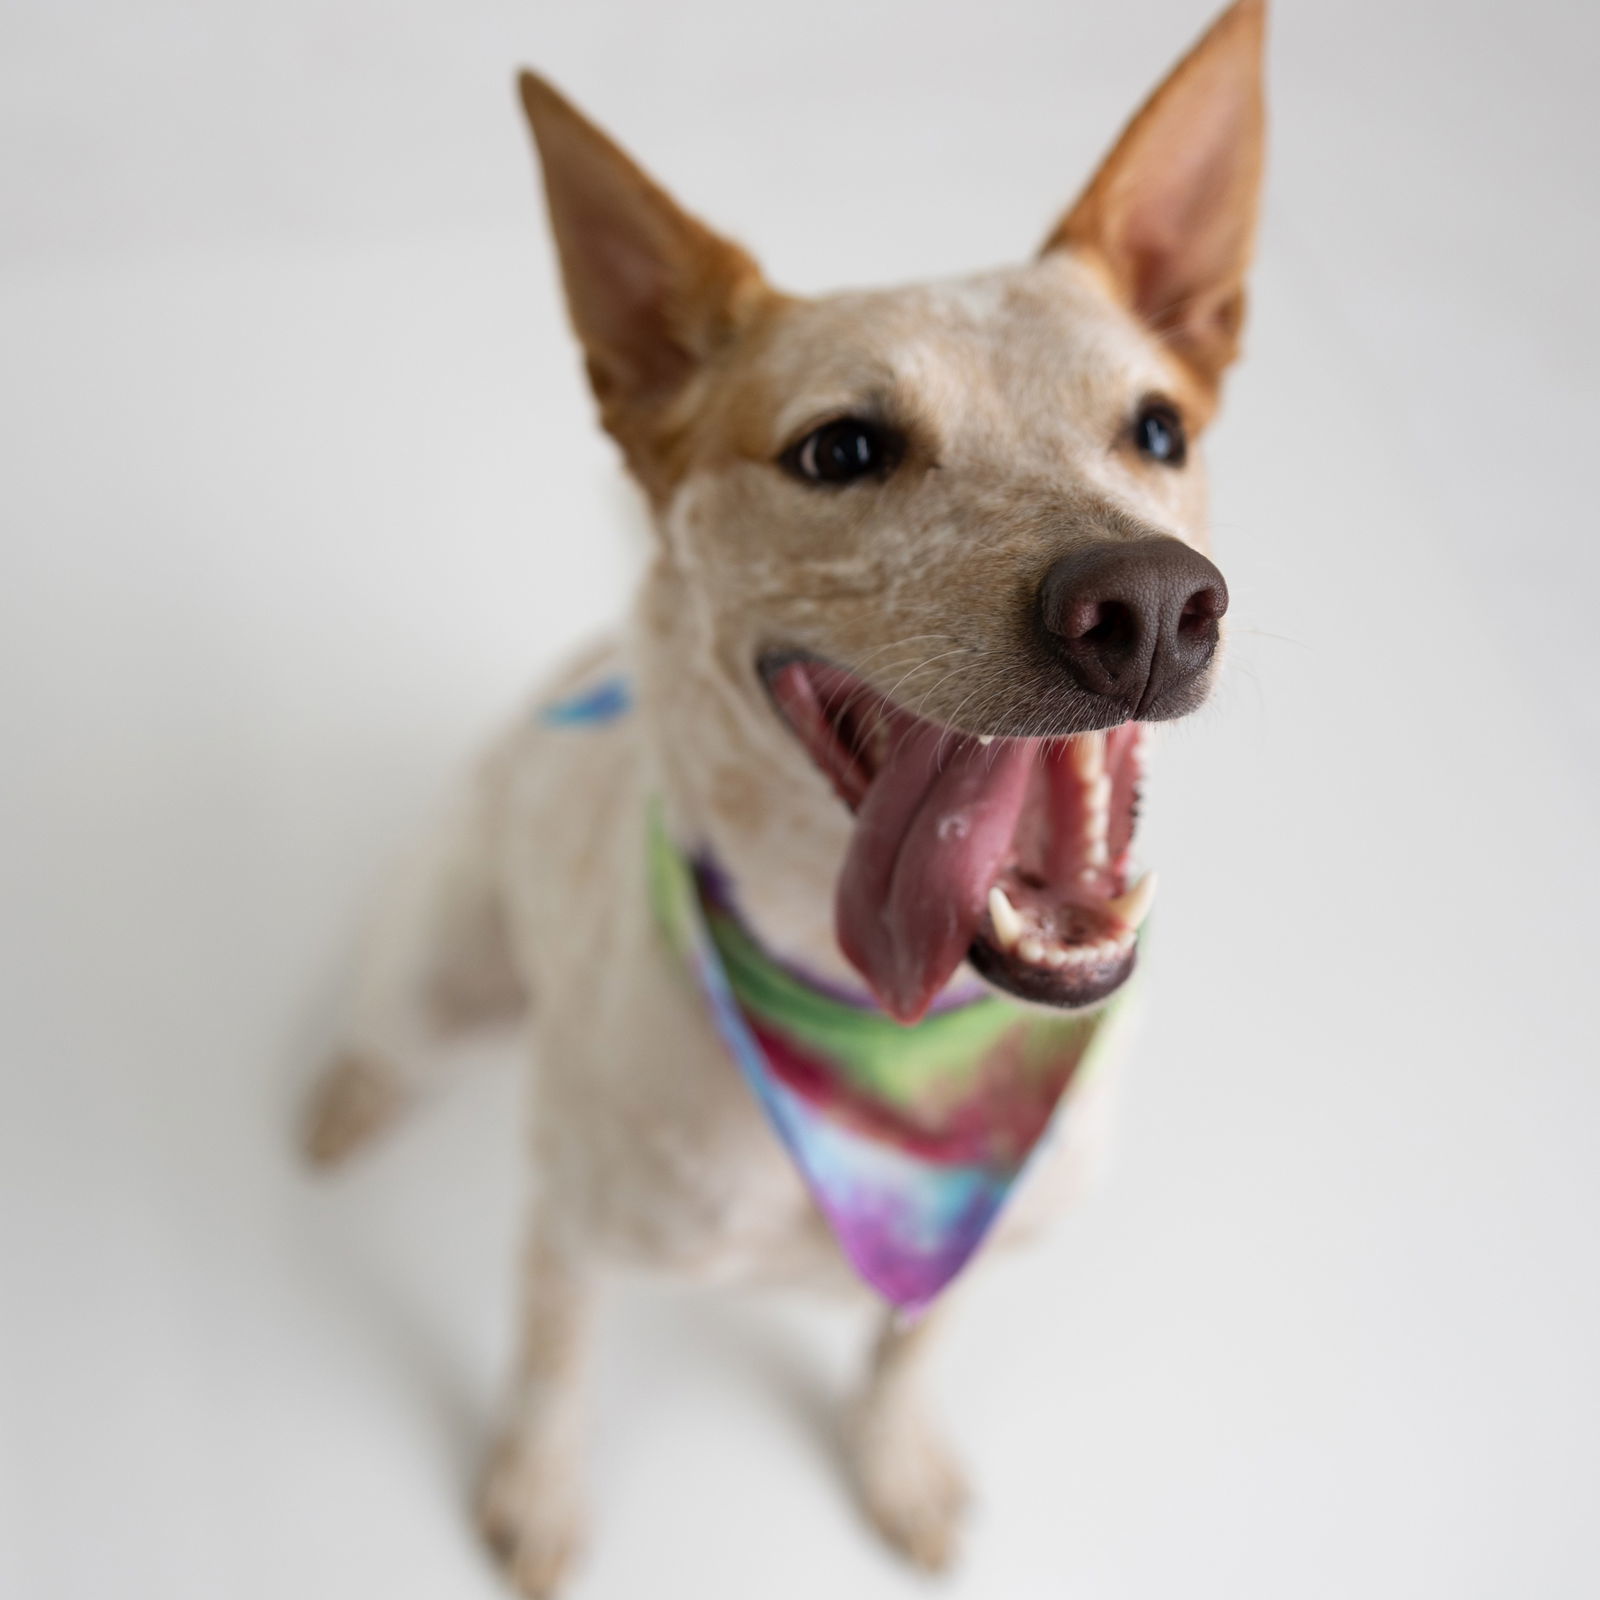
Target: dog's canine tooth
[
  {"x": 1132, "y": 908},
  {"x": 1008, "y": 924},
  {"x": 1031, "y": 949}
]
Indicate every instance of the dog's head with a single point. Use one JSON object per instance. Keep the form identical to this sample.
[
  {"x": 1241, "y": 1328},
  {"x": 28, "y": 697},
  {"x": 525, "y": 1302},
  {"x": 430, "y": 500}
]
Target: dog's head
[{"x": 952, "y": 537}]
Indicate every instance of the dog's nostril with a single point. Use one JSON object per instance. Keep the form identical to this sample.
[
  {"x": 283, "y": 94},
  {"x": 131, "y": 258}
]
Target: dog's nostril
[
  {"x": 1201, "y": 613},
  {"x": 1114, "y": 626},
  {"x": 1090, "y": 618}
]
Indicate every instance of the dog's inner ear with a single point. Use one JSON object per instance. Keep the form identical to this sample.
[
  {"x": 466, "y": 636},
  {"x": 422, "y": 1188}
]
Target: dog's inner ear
[
  {"x": 1171, "y": 213},
  {"x": 653, "y": 293}
]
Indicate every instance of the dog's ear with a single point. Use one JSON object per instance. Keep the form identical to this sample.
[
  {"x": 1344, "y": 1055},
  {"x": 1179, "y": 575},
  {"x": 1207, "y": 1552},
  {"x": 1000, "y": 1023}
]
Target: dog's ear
[
  {"x": 653, "y": 293},
  {"x": 1171, "y": 213}
]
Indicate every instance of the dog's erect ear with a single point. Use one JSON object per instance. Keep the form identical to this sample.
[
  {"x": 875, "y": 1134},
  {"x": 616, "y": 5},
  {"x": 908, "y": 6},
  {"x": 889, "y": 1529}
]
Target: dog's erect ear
[
  {"x": 652, "y": 292},
  {"x": 1171, "y": 213}
]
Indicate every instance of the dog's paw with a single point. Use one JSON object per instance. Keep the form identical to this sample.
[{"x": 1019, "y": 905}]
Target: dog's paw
[
  {"x": 911, "y": 1486},
  {"x": 531, "y": 1520},
  {"x": 356, "y": 1099}
]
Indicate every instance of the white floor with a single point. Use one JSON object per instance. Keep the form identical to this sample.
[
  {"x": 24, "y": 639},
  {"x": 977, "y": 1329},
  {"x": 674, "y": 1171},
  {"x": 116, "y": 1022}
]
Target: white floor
[{"x": 299, "y": 490}]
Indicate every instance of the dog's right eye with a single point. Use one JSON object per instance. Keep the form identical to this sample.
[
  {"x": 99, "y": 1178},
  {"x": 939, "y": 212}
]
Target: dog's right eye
[{"x": 842, "y": 451}]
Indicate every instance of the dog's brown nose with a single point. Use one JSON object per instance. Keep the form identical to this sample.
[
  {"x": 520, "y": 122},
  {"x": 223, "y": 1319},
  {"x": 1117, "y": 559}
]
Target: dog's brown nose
[{"x": 1136, "y": 621}]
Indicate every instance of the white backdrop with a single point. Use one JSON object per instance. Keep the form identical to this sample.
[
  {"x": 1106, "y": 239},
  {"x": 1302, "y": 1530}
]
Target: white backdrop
[{"x": 300, "y": 488}]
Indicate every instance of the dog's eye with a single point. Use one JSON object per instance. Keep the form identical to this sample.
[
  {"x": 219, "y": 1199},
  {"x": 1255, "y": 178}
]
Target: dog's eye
[
  {"x": 842, "y": 451},
  {"x": 1158, "y": 433}
]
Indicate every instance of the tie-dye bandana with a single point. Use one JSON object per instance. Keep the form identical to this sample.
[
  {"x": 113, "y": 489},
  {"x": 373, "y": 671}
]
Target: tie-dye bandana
[{"x": 910, "y": 1139}]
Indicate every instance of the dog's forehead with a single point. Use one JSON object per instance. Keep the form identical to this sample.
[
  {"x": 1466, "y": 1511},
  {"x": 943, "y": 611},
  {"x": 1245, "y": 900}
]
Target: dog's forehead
[{"x": 1046, "y": 338}]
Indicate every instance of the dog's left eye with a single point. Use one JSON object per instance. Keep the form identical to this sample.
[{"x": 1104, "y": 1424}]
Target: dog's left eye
[
  {"x": 842, "y": 451},
  {"x": 1158, "y": 433}
]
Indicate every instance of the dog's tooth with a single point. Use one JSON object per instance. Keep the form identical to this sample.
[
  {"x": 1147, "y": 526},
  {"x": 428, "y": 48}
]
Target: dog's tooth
[
  {"x": 1008, "y": 924},
  {"x": 1088, "y": 752},
  {"x": 1132, "y": 908},
  {"x": 1031, "y": 949},
  {"x": 1097, "y": 821},
  {"x": 986, "y": 739},
  {"x": 1056, "y": 956},
  {"x": 1097, "y": 806}
]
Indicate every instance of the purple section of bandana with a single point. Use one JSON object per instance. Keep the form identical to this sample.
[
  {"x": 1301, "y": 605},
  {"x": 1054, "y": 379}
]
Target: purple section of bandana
[
  {"x": 873, "y": 1232},
  {"x": 907, "y": 1227}
]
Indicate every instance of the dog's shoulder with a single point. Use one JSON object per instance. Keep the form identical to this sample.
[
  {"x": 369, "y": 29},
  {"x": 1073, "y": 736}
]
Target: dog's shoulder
[{"x": 568, "y": 772}]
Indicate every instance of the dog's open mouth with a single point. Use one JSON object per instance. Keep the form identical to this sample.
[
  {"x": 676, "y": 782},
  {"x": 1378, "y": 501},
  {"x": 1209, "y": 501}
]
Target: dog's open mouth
[{"x": 1013, "y": 854}]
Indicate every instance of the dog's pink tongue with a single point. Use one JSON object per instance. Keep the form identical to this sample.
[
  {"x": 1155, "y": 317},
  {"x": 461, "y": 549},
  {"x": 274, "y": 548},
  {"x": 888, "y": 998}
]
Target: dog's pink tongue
[{"x": 931, "y": 835}]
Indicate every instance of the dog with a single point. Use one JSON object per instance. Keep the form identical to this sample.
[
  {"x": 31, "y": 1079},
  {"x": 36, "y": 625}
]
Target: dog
[{"x": 927, "y": 562}]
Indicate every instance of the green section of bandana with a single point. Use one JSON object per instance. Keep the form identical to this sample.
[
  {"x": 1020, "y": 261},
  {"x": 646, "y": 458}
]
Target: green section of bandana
[
  {"x": 672, "y": 887},
  {"x": 934, "y": 1059}
]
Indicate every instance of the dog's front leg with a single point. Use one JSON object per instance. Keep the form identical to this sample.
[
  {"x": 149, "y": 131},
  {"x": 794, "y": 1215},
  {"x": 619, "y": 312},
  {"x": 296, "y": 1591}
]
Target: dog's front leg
[
  {"x": 910, "y": 1484},
  {"x": 531, "y": 1501}
]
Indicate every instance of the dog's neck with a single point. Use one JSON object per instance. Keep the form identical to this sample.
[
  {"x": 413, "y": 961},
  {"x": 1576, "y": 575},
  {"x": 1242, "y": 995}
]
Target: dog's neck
[
  {"x": 733, "y": 781},
  {"x": 736, "y": 786}
]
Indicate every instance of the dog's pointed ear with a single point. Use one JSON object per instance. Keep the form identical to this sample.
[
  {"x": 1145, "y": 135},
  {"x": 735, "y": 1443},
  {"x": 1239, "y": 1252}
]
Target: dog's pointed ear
[
  {"x": 652, "y": 292},
  {"x": 1171, "y": 214}
]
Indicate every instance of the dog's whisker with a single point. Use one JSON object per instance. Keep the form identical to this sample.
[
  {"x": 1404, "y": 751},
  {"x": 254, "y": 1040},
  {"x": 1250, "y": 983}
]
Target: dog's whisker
[
  {"x": 1263, "y": 633},
  {"x": 922, "y": 666},
  {"x": 899, "y": 644}
]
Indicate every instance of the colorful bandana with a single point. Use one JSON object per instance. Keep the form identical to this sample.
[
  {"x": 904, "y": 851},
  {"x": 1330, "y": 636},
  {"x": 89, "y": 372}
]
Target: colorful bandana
[{"x": 910, "y": 1139}]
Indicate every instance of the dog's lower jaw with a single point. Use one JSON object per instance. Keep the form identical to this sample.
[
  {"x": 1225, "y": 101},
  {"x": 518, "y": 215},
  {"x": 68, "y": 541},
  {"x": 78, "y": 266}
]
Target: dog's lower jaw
[{"x": 1009, "y": 854}]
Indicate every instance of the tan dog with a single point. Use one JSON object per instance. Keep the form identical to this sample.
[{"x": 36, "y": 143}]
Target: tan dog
[{"x": 975, "y": 507}]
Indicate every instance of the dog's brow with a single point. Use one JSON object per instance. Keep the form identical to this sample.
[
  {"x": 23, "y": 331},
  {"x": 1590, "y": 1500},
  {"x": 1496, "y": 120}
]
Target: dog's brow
[{"x": 806, "y": 411}]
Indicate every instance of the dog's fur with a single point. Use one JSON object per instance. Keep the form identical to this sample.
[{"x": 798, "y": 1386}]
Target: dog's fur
[{"x": 1014, "y": 389}]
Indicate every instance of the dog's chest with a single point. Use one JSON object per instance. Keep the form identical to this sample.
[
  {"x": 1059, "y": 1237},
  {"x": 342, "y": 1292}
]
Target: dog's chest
[
  {"x": 647, "y": 1139},
  {"x": 650, "y": 1133}
]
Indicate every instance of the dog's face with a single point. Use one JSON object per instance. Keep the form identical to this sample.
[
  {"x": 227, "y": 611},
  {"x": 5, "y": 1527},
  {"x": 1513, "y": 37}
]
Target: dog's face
[
  {"x": 952, "y": 536},
  {"x": 902, "y": 482}
]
